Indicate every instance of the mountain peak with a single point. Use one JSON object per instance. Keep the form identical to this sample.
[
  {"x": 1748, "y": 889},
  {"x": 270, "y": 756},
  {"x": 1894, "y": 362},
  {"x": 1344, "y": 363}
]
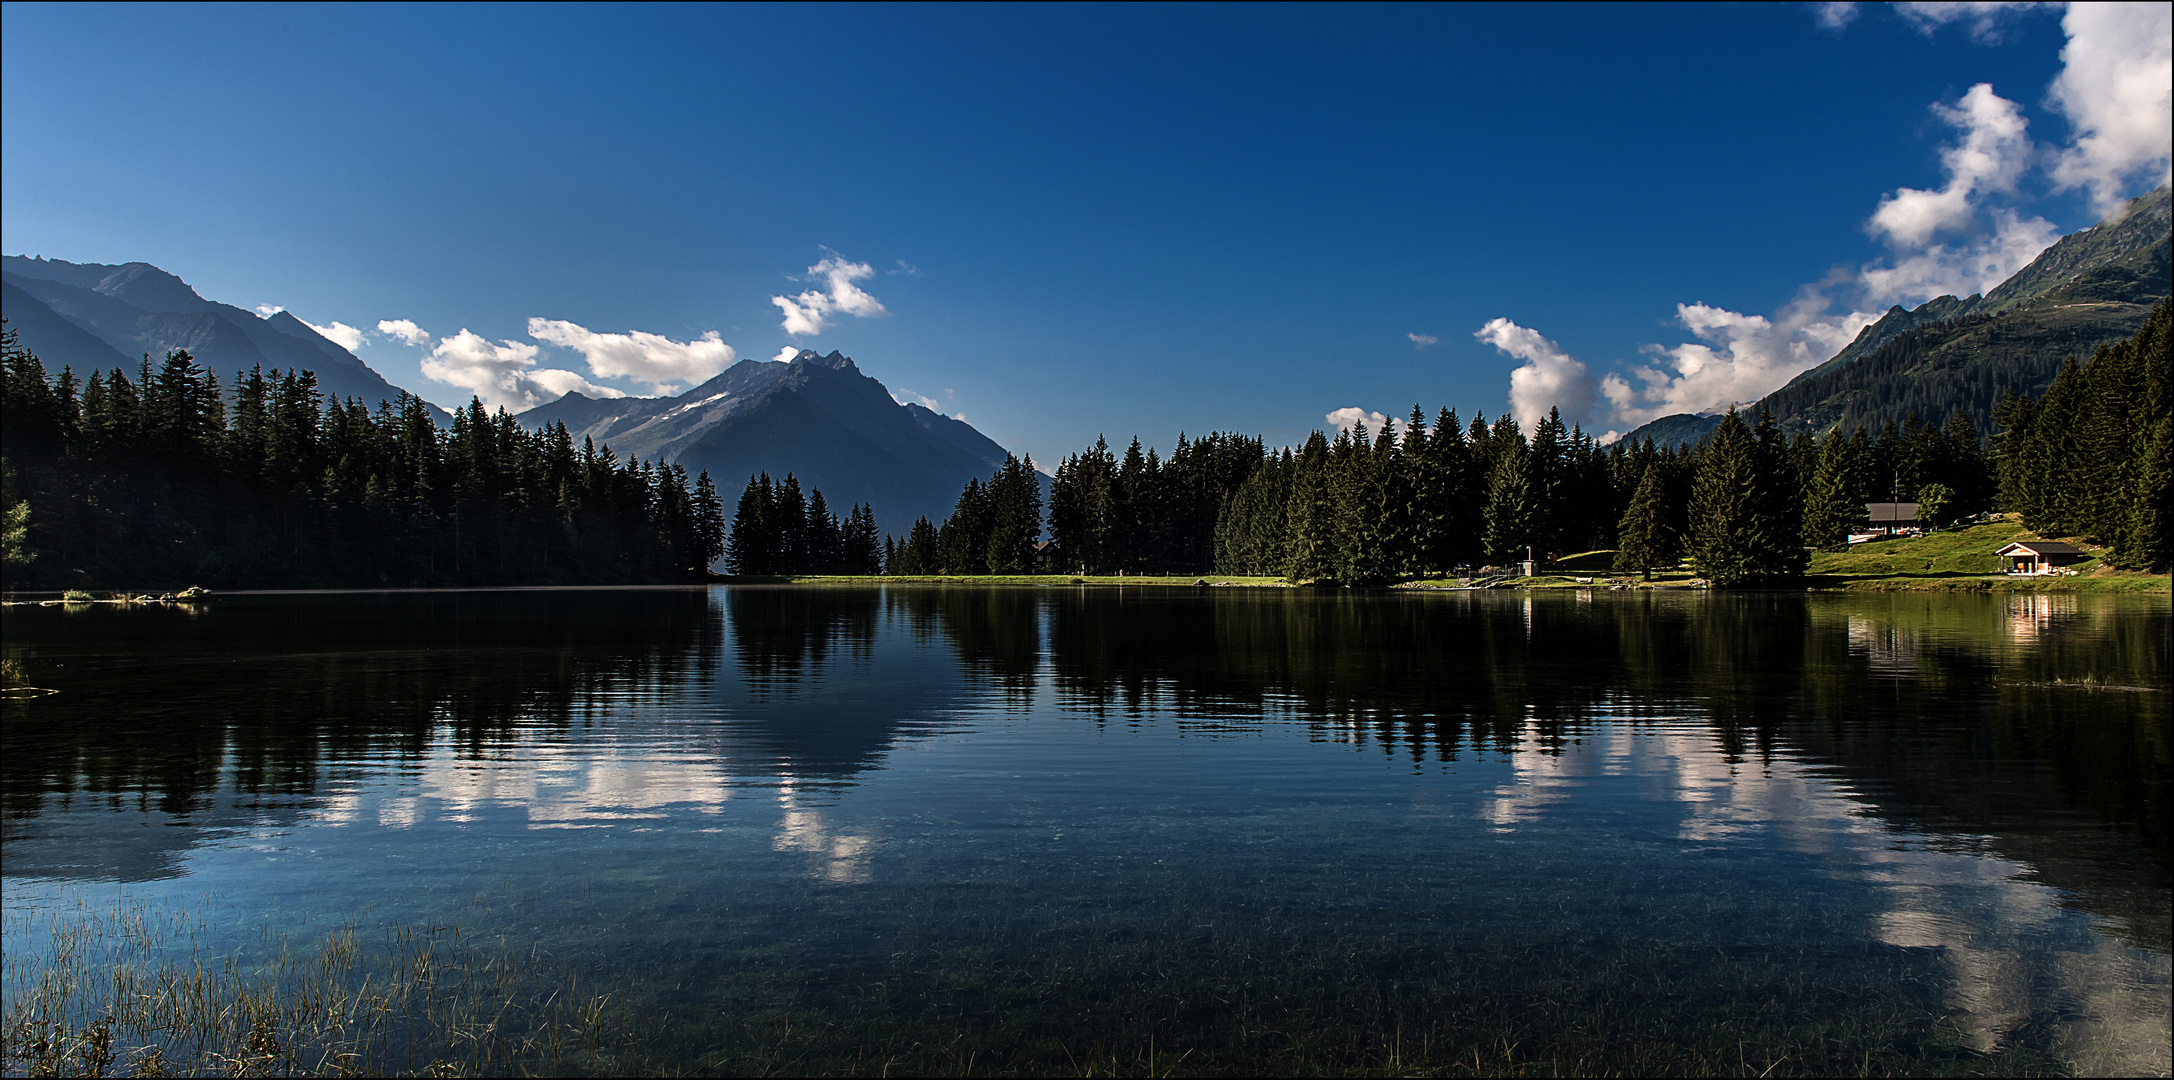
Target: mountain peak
[
  {"x": 836, "y": 361},
  {"x": 94, "y": 317}
]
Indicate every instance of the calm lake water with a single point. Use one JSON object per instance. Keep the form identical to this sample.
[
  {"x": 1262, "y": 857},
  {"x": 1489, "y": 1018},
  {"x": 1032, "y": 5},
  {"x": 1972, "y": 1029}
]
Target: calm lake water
[{"x": 839, "y": 828}]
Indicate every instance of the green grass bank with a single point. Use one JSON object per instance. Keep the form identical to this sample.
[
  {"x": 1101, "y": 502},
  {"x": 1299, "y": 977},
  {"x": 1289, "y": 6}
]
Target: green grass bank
[{"x": 1960, "y": 559}]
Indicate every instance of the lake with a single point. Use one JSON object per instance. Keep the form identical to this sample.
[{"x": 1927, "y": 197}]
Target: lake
[{"x": 1152, "y": 829}]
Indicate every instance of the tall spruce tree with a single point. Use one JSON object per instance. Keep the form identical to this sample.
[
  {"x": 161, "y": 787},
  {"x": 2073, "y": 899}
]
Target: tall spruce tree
[
  {"x": 1310, "y": 541},
  {"x": 1015, "y": 505},
  {"x": 1642, "y": 537},
  {"x": 1510, "y": 513},
  {"x": 1745, "y": 529},
  {"x": 1831, "y": 505}
]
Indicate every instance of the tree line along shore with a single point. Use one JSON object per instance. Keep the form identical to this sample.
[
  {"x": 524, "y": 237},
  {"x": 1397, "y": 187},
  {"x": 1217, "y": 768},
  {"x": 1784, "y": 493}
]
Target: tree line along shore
[
  {"x": 168, "y": 477},
  {"x": 2093, "y": 457}
]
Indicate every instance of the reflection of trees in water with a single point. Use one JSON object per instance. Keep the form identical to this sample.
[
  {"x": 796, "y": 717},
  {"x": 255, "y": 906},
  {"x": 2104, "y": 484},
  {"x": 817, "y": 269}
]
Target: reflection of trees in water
[
  {"x": 783, "y": 637},
  {"x": 995, "y": 632},
  {"x": 159, "y": 710},
  {"x": 1432, "y": 674},
  {"x": 1932, "y": 707}
]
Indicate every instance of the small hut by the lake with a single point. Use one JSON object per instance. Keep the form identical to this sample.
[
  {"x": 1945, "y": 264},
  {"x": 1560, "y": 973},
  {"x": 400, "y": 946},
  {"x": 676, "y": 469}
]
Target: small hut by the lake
[{"x": 2039, "y": 556}]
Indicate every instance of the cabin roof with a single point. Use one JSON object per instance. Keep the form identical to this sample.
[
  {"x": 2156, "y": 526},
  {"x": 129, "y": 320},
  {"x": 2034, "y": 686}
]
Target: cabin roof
[
  {"x": 2041, "y": 547},
  {"x": 1891, "y": 511}
]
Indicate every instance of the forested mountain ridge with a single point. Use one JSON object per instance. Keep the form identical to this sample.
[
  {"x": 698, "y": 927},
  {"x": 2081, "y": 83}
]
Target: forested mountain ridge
[
  {"x": 2090, "y": 288},
  {"x": 95, "y": 317},
  {"x": 817, "y": 417}
]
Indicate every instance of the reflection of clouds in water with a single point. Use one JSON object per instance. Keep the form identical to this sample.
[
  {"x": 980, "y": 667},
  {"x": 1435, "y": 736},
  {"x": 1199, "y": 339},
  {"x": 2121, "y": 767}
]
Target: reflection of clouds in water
[
  {"x": 2000, "y": 931},
  {"x": 559, "y": 787},
  {"x": 400, "y": 813},
  {"x": 841, "y": 858}
]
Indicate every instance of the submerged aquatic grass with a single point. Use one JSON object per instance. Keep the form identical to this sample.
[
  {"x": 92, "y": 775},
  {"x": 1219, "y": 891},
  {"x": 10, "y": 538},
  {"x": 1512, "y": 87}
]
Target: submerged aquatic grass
[{"x": 135, "y": 990}]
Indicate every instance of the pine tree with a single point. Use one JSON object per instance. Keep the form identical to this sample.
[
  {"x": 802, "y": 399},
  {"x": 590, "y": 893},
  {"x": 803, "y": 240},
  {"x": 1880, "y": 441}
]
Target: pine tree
[
  {"x": 1642, "y": 536},
  {"x": 861, "y": 554},
  {"x": 1831, "y": 506},
  {"x": 1745, "y": 527},
  {"x": 1779, "y": 503},
  {"x": 1310, "y": 546},
  {"x": 824, "y": 548},
  {"x": 789, "y": 527},
  {"x": 708, "y": 512},
  {"x": 1509, "y": 528},
  {"x": 1015, "y": 517},
  {"x": 2148, "y": 542},
  {"x": 1721, "y": 512},
  {"x": 751, "y": 546},
  {"x": 965, "y": 535}
]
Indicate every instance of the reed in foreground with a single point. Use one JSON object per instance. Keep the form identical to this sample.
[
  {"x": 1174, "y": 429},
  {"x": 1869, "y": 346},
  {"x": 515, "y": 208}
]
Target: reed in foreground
[{"x": 134, "y": 991}]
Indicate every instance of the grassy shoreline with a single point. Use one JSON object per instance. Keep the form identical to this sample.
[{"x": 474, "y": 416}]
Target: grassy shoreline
[{"x": 1961, "y": 559}]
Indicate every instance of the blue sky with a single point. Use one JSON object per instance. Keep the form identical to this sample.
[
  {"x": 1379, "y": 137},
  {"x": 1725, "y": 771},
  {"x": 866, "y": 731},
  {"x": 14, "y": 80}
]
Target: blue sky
[{"x": 1083, "y": 220}]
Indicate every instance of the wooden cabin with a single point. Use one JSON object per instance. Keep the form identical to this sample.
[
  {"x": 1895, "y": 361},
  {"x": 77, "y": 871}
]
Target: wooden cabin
[{"x": 2039, "y": 556}]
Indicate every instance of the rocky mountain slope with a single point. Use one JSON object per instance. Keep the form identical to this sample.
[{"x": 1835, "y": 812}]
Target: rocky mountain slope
[
  {"x": 95, "y": 317},
  {"x": 2091, "y": 287},
  {"x": 817, "y": 417}
]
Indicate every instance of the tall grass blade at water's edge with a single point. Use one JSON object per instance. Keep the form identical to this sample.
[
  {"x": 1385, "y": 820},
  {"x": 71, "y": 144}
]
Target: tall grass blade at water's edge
[{"x": 130, "y": 989}]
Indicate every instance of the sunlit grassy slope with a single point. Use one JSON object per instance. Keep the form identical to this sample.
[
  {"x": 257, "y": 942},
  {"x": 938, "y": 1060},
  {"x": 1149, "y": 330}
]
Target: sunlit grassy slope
[{"x": 1965, "y": 558}]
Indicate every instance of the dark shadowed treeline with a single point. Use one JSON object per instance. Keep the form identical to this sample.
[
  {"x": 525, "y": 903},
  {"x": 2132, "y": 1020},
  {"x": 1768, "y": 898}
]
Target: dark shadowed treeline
[
  {"x": 778, "y": 530},
  {"x": 2094, "y": 456},
  {"x": 994, "y": 529},
  {"x": 162, "y": 478}
]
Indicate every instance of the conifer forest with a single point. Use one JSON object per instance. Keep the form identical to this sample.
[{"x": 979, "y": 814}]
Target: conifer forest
[
  {"x": 168, "y": 476},
  {"x": 163, "y": 478}
]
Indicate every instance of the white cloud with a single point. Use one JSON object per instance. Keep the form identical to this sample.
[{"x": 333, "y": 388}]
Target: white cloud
[
  {"x": 405, "y": 330},
  {"x": 906, "y": 268},
  {"x": 1975, "y": 266},
  {"x": 1994, "y": 152},
  {"x": 1550, "y": 377},
  {"x": 269, "y": 310},
  {"x": 648, "y": 358},
  {"x": 339, "y": 333},
  {"x": 786, "y": 353},
  {"x": 1351, "y": 416},
  {"x": 1421, "y": 341},
  {"x": 1738, "y": 358},
  {"x": 1965, "y": 237},
  {"x": 809, "y": 313},
  {"x": 2114, "y": 87},
  {"x": 504, "y": 375},
  {"x": 1836, "y": 14},
  {"x": 926, "y": 402},
  {"x": 1984, "y": 20}
]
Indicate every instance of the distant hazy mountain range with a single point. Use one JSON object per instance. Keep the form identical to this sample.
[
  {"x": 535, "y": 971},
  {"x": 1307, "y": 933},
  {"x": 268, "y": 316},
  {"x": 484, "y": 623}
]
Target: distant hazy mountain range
[
  {"x": 815, "y": 416},
  {"x": 93, "y": 317},
  {"x": 2090, "y": 288}
]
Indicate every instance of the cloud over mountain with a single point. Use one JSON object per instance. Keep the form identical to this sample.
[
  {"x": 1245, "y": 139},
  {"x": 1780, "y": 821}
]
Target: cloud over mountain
[
  {"x": 504, "y": 374},
  {"x": 405, "y": 330},
  {"x": 648, "y": 358},
  {"x": 338, "y": 333},
  {"x": 809, "y": 313},
  {"x": 1966, "y": 236},
  {"x": 2117, "y": 88}
]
